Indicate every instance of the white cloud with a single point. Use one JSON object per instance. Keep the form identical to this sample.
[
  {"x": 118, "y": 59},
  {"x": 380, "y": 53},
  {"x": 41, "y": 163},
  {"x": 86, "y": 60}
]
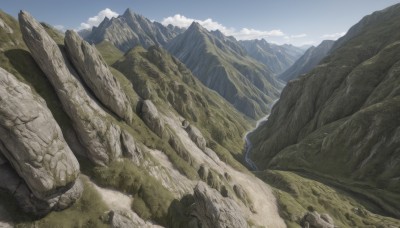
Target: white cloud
[
  {"x": 298, "y": 36},
  {"x": 209, "y": 24},
  {"x": 333, "y": 36},
  {"x": 295, "y": 36},
  {"x": 59, "y": 27},
  {"x": 96, "y": 20},
  {"x": 184, "y": 22}
]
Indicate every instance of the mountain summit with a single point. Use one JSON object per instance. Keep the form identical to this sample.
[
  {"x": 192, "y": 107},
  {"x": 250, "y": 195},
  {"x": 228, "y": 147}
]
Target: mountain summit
[{"x": 130, "y": 29}]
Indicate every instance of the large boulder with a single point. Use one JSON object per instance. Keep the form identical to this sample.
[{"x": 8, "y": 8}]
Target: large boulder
[
  {"x": 213, "y": 210},
  {"x": 196, "y": 136},
  {"x": 28, "y": 202},
  {"x": 96, "y": 74},
  {"x": 152, "y": 119},
  {"x": 31, "y": 140},
  {"x": 94, "y": 127}
]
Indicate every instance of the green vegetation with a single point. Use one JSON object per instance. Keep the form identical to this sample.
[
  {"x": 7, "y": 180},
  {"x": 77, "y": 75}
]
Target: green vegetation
[
  {"x": 160, "y": 77},
  {"x": 109, "y": 52},
  {"x": 296, "y": 194},
  {"x": 86, "y": 212},
  {"x": 151, "y": 199}
]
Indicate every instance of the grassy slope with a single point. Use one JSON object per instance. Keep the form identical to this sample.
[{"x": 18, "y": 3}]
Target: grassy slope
[
  {"x": 296, "y": 194},
  {"x": 158, "y": 76},
  {"x": 342, "y": 117}
]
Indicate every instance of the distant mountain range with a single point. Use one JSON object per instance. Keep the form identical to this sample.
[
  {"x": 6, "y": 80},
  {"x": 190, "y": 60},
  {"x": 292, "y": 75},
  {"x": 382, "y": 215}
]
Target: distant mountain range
[
  {"x": 311, "y": 58},
  {"x": 129, "y": 30},
  {"x": 221, "y": 63},
  {"x": 277, "y": 57}
]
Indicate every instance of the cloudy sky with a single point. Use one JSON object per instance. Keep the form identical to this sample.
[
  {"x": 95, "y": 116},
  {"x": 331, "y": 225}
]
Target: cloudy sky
[{"x": 297, "y": 22}]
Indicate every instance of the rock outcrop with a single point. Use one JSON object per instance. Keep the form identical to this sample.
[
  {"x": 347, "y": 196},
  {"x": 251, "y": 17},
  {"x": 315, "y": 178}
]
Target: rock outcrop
[
  {"x": 97, "y": 75},
  {"x": 94, "y": 127},
  {"x": 315, "y": 220},
  {"x": 152, "y": 119},
  {"x": 32, "y": 142},
  {"x": 213, "y": 210},
  {"x": 130, "y": 149},
  {"x": 196, "y": 136},
  {"x": 127, "y": 219}
]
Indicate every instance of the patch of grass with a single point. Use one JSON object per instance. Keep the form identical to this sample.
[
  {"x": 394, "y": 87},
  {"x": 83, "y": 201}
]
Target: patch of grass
[
  {"x": 151, "y": 199},
  {"x": 109, "y": 52}
]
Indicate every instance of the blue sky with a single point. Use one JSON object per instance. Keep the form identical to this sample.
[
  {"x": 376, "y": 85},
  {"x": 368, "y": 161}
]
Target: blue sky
[{"x": 281, "y": 21}]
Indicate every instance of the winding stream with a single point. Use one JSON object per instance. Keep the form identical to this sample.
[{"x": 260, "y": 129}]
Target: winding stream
[{"x": 249, "y": 145}]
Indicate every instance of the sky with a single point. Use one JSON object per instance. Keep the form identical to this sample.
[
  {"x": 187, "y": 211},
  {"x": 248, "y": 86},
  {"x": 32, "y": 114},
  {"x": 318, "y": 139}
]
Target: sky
[{"x": 297, "y": 22}]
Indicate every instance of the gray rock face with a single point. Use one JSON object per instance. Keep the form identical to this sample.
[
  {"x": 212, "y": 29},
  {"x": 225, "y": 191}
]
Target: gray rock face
[
  {"x": 32, "y": 141},
  {"x": 130, "y": 149},
  {"x": 130, "y": 29},
  {"x": 150, "y": 116},
  {"x": 314, "y": 220},
  {"x": 96, "y": 74},
  {"x": 92, "y": 124},
  {"x": 28, "y": 202},
  {"x": 213, "y": 210},
  {"x": 196, "y": 136}
]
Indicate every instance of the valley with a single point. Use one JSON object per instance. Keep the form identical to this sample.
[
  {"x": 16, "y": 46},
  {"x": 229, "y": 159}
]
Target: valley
[{"x": 132, "y": 122}]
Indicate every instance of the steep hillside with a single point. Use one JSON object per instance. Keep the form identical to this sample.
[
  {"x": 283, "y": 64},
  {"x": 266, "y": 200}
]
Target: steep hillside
[
  {"x": 158, "y": 76},
  {"x": 311, "y": 58},
  {"x": 160, "y": 162},
  {"x": 340, "y": 122},
  {"x": 221, "y": 64},
  {"x": 129, "y": 30},
  {"x": 277, "y": 57}
]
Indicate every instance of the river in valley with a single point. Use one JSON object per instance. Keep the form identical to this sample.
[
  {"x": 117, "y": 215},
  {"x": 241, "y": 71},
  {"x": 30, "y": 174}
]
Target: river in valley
[{"x": 248, "y": 144}]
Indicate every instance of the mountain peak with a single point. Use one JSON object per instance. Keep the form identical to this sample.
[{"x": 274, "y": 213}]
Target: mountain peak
[
  {"x": 128, "y": 12},
  {"x": 195, "y": 26}
]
